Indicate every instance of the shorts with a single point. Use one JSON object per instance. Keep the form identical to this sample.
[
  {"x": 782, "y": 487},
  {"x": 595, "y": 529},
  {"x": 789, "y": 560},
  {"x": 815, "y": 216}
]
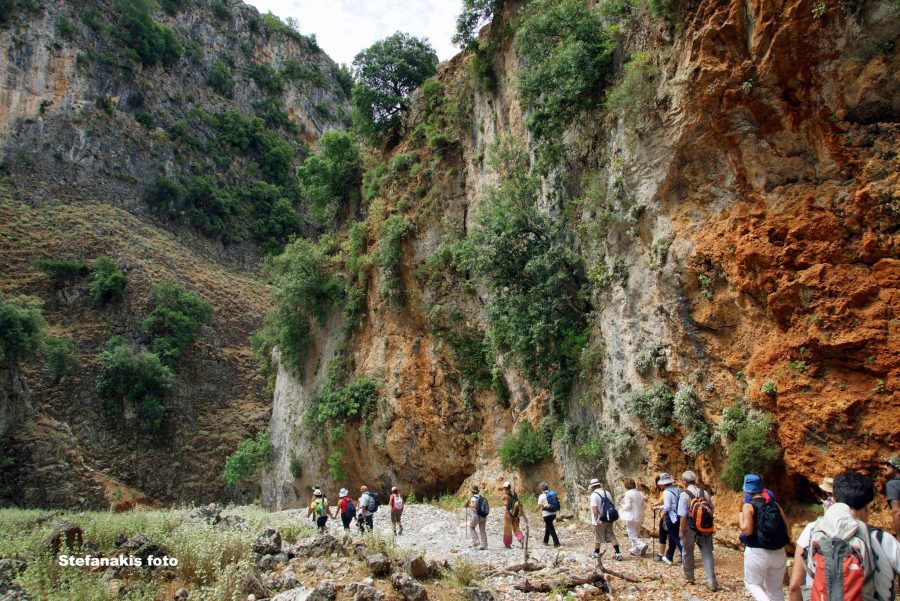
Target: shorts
[
  {"x": 321, "y": 520},
  {"x": 603, "y": 533},
  {"x": 395, "y": 516}
]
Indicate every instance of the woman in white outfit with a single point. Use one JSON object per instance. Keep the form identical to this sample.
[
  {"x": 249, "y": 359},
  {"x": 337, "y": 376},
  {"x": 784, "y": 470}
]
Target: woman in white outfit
[
  {"x": 764, "y": 558},
  {"x": 632, "y": 513}
]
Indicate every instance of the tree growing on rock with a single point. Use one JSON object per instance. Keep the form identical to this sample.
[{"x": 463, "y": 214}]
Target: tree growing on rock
[{"x": 386, "y": 74}]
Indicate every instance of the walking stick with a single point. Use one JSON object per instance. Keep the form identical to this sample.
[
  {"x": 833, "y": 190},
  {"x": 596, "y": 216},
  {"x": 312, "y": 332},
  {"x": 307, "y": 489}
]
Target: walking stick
[{"x": 656, "y": 536}]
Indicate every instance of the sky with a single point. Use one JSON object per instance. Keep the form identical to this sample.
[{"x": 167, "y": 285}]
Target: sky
[{"x": 344, "y": 27}]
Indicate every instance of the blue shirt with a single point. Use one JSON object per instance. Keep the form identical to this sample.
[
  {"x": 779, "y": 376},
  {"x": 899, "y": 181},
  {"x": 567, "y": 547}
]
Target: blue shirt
[{"x": 670, "y": 503}]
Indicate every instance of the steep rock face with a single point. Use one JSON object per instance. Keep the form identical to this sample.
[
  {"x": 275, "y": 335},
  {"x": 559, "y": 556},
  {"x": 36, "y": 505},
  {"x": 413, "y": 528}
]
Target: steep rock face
[
  {"x": 13, "y": 399},
  {"x": 753, "y": 238}
]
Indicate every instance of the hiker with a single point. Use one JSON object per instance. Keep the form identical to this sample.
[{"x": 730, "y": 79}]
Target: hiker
[
  {"x": 396, "y": 503},
  {"x": 603, "y": 516},
  {"x": 511, "y": 515},
  {"x": 662, "y": 530},
  {"x": 346, "y": 508},
  {"x": 548, "y": 503},
  {"x": 669, "y": 509},
  {"x": 480, "y": 510},
  {"x": 827, "y": 486},
  {"x": 696, "y": 512},
  {"x": 368, "y": 504},
  {"x": 319, "y": 509},
  {"x": 890, "y": 469},
  {"x": 632, "y": 514},
  {"x": 765, "y": 529},
  {"x": 768, "y": 495},
  {"x": 878, "y": 551}
]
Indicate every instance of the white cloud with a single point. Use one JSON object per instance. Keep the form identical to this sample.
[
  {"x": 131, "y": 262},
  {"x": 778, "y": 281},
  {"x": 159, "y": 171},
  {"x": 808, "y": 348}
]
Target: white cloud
[{"x": 344, "y": 27}]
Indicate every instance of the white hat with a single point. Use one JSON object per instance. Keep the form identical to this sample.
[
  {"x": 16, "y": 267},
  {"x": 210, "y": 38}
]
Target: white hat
[
  {"x": 594, "y": 483},
  {"x": 507, "y": 484},
  {"x": 317, "y": 493},
  {"x": 689, "y": 476},
  {"x": 664, "y": 478},
  {"x": 343, "y": 492}
]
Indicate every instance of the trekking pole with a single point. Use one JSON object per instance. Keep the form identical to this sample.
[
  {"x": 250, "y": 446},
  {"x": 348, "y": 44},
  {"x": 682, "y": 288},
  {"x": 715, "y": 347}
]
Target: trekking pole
[{"x": 656, "y": 530}]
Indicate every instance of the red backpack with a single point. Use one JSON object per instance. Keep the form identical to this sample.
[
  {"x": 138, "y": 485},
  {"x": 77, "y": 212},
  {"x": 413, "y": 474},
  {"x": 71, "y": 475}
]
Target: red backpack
[{"x": 840, "y": 569}]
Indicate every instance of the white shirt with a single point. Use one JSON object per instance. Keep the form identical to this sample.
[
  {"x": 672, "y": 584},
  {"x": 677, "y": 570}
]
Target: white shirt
[
  {"x": 542, "y": 501},
  {"x": 632, "y": 509},
  {"x": 596, "y": 496}
]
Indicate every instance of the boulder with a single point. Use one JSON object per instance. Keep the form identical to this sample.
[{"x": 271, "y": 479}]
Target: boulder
[
  {"x": 324, "y": 591},
  {"x": 417, "y": 568},
  {"x": 408, "y": 587},
  {"x": 209, "y": 514},
  {"x": 282, "y": 558},
  {"x": 478, "y": 594},
  {"x": 295, "y": 594},
  {"x": 437, "y": 567},
  {"x": 181, "y": 594},
  {"x": 364, "y": 592},
  {"x": 64, "y": 532},
  {"x": 288, "y": 579},
  {"x": 266, "y": 563},
  {"x": 322, "y": 545},
  {"x": 268, "y": 543},
  {"x": 379, "y": 564}
]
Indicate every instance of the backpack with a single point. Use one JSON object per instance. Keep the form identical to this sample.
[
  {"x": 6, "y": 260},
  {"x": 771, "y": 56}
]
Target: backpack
[
  {"x": 349, "y": 509},
  {"x": 482, "y": 507},
  {"x": 700, "y": 512},
  {"x": 841, "y": 570},
  {"x": 607, "y": 512},
  {"x": 398, "y": 503},
  {"x": 515, "y": 508},
  {"x": 371, "y": 502},
  {"x": 320, "y": 507},
  {"x": 552, "y": 501},
  {"x": 771, "y": 532}
]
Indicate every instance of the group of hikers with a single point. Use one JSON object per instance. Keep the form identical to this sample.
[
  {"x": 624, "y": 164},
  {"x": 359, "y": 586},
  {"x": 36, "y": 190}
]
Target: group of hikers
[
  {"x": 362, "y": 510},
  {"x": 837, "y": 556}
]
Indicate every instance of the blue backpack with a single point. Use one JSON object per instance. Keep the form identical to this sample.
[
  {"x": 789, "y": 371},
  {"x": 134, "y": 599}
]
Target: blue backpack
[
  {"x": 349, "y": 509},
  {"x": 552, "y": 501}
]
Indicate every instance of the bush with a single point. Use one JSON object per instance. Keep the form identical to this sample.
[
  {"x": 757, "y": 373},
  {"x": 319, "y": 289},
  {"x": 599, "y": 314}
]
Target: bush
[
  {"x": 738, "y": 417},
  {"x": 336, "y": 404},
  {"x": 220, "y": 79},
  {"x": 22, "y": 329},
  {"x": 650, "y": 357},
  {"x": 176, "y": 316},
  {"x": 525, "y": 447},
  {"x": 164, "y": 195},
  {"x": 386, "y": 74},
  {"x": 475, "y": 15},
  {"x": 267, "y": 78},
  {"x": 654, "y": 407},
  {"x": 208, "y": 205},
  {"x": 753, "y": 451},
  {"x": 662, "y": 8},
  {"x": 146, "y": 119},
  {"x": 62, "y": 271},
  {"x": 108, "y": 282},
  {"x": 769, "y": 388},
  {"x": 139, "y": 380},
  {"x": 220, "y": 10},
  {"x": 633, "y": 96},
  {"x": 330, "y": 179},
  {"x": 61, "y": 360},
  {"x": 567, "y": 59},
  {"x": 388, "y": 254},
  {"x": 153, "y": 43},
  {"x": 251, "y": 455}
]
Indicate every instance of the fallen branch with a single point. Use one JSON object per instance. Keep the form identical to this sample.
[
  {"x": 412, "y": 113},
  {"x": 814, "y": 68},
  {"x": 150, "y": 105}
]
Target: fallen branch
[
  {"x": 520, "y": 567},
  {"x": 563, "y": 584}
]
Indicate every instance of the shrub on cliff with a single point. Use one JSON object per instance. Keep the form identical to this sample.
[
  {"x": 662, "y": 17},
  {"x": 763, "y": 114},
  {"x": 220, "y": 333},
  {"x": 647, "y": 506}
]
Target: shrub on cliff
[
  {"x": 62, "y": 271},
  {"x": 22, "y": 329},
  {"x": 108, "y": 282},
  {"x": 330, "y": 179},
  {"x": 153, "y": 42},
  {"x": 61, "y": 360},
  {"x": 475, "y": 15},
  {"x": 754, "y": 450},
  {"x": 388, "y": 254},
  {"x": 220, "y": 78},
  {"x": 251, "y": 455},
  {"x": 654, "y": 407},
  {"x": 524, "y": 447},
  {"x": 386, "y": 74},
  {"x": 176, "y": 316},
  {"x": 140, "y": 380}
]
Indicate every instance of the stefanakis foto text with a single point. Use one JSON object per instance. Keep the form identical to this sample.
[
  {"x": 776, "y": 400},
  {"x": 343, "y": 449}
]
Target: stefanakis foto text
[{"x": 121, "y": 561}]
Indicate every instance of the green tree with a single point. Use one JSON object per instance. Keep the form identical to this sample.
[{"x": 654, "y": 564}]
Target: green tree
[
  {"x": 251, "y": 455},
  {"x": 330, "y": 179},
  {"x": 60, "y": 356},
  {"x": 475, "y": 15},
  {"x": 525, "y": 447},
  {"x": 109, "y": 282},
  {"x": 388, "y": 255},
  {"x": 753, "y": 451},
  {"x": 164, "y": 195},
  {"x": 62, "y": 271},
  {"x": 139, "y": 380},
  {"x": 22, "y": 329},
  {"x": 220, "y": 78},
  {"x": 386, "y": 74},
  {"x": 153, "y": 43},
  {"x": 176, "y": 316}
]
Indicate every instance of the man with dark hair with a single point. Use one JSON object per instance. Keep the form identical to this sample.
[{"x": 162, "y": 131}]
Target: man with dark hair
[
  {"x": 846, "y": 519},
  {"x": 890, "y": 469}
]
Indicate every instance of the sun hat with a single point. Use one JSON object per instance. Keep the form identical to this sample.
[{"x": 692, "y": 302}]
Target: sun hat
[
  {"x": 343, "y": 492},
  {"x": 317, "y": 493},
  {"x": 689, "y": 476},
  {"x": 664, "y": 478},
  {"x": 506, "y": 484},
  {"x": 894, "y": 461},
  {"x": 752, "y": 483},
  {"x": 594, "y": 483},
  {"x": 827, "y": 485}
]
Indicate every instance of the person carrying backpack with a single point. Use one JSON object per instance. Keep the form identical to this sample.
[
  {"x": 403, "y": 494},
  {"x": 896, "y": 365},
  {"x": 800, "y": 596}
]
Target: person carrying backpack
[
  {"x": 867, "y": 558},
  {"x": 890, "y": 469},
  {"x": 346, "y": 508},
  {"x": 695, "y": 510},
  {"x": 632, "y": 514},
  {"x": 669, "y": 508},
  {"x": 511, "y": 515},
  {"x": 319, "y": 510},
  {"x": 396, "y": 503},
  {"x": 548, "y": 503},
  {"x": 478, "y": 522},
  {"x": 765, "y": 529},
  {"x": 603, "y": 516},
  {"x": 368, "y": 505}
]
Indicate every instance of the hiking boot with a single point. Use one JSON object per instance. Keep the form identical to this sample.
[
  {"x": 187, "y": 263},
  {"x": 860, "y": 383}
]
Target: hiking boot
[
  {"x": 658, "y": 557},
  {"x": 618, "y": 557},
  {"x": 665, "y": 560},
  {"x": 644, "y": 551},
  {"x": 484, "y": 548},
  {"x": 713, "y": 586},
  {"x": 633, "y": 553},
  {"x": 595, "y": 555}
]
